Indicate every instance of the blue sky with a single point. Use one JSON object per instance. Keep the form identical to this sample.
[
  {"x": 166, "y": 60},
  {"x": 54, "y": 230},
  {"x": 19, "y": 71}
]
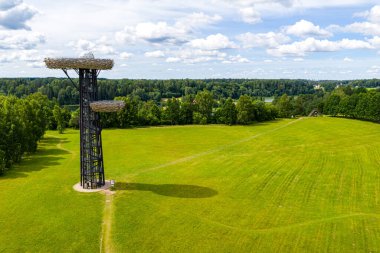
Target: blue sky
[{"x": 335, "y": 39}]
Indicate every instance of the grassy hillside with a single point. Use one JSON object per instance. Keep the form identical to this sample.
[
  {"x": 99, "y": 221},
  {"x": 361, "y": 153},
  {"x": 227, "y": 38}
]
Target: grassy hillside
[{"x": 309, "y": 185}]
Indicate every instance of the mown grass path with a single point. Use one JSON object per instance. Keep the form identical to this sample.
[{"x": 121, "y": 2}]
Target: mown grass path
[
  {"x": 309, "y": 185},
  {"x": 106, "y": 234}
]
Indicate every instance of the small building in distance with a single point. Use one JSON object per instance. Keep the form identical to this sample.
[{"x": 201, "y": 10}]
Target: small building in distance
[{"x": 314, "y": 113}]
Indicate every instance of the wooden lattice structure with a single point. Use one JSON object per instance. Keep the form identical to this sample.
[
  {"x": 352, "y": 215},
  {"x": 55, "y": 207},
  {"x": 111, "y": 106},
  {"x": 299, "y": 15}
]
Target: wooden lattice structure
[
  {"x": 107, "y": 106},
  {"x": 91, "y": 150}
]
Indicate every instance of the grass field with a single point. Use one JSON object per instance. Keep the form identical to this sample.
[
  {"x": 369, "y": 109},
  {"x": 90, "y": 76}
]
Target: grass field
[{"x": 307, "y": 185}]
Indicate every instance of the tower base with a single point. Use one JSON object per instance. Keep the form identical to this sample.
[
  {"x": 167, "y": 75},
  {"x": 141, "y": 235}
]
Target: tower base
[{"x": 77, "y": 187}]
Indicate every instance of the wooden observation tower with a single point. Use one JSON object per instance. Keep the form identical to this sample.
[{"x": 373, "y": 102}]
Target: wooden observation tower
[{"x": 91, "y": 150}]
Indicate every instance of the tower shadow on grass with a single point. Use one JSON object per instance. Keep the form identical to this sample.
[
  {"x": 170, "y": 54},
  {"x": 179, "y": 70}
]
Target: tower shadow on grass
[
  {"x": 47, "y": 155},
  {"x": 170, "y": 190}
]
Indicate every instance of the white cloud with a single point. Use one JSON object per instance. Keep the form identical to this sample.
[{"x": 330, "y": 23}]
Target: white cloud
[
  {"x": 173, "y": 59},
  {"x": 375, "y": 41},
  {"x": 236, "y": 59},
  {"x": 189, "y": 53},
  {"x": 304, "y": 28},
  {"x": 353, "y": 44},
  {"x": 347, "y": 59},
  {"x": 250, "y": 10},
  {"x": 254, "y": 2},
  {"x": 83, "y": 45},
  {"x": 127, "y": 35},
  {"x": 6, "y": 58},
  {"x": 365, "y": 28},
  {"x": 159, "y": 32},
  {"x": 162, "y": 32},
  {"x": 8, "y": 4},
  {"x": 28, "y": 55},
  {"x": 298, "y": 59},
  {"x": 369, "y": 27},
  {"x": 191, "y": 56},
  {"x": 125, "y": 55},
  {"x": 14, "y": 14},
  {"x": 100, "y": 46},
  {"x": 212, "y": 42},
  {"x": 155, "y": 54},
  {"x": 267, "y": 40},
  {"x": 104, "y": 50},
  {"x": 373, "y": 15},
  {"x": 375, "y": 69},
  {"x": 20, "y": 39},
  {"x": 197, "y": 20},
  {"x": 39, "y": 64},
  {"x": 301, "y": 48},
  {"x": 250, "y": 15},
  {"x": 33, "y": 56},
  {"x": 309, "y": 4}
]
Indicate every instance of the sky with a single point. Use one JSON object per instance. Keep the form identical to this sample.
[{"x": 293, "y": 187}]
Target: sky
[{"x": 163, "y": 39}]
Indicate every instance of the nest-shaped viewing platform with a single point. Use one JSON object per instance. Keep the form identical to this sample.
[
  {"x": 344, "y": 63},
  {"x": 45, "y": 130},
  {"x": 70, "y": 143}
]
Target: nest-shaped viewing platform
[
  {"x": 78, "y": 63},
  {"x": 107, "y": 106}
]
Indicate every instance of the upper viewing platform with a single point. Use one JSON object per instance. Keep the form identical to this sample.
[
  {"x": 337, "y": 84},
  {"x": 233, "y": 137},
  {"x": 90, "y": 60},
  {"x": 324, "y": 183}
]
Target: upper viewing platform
[{"x": 86, "y": 62}]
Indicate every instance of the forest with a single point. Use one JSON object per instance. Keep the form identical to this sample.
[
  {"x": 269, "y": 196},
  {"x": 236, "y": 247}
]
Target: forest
[
  {"x": 30, "y": 106},
  {"x": 22, "y": 124},
  {"x": 65, "y": 94}
]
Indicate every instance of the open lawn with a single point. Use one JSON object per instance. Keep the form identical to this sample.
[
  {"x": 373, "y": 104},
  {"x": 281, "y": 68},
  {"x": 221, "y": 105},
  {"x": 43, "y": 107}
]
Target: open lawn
[{"x": 306, "y": 185}]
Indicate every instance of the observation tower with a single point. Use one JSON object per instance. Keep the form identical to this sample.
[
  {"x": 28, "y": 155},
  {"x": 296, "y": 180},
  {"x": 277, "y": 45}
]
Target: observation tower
[{"x": 91, "y": 150}]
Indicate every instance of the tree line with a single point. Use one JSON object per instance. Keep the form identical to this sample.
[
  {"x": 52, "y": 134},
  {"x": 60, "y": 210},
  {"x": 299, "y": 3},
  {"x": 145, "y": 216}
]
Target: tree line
[
  {"x": 23, "y": 122},
  {"x": 64, "y": 93},
  {"x": 22, "y": 125},
  {"x": 344, "y": 101},
  {"x": 354, "y": 103},
  {"x": 199, "y": 109}
]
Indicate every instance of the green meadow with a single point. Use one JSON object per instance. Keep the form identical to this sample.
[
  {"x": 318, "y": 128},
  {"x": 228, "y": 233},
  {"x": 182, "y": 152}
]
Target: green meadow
[{"x": 303, "y": 185}]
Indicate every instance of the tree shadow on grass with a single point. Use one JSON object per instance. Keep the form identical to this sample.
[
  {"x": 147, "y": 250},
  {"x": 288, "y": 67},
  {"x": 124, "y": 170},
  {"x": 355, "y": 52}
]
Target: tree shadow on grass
[
  {"x": 46, "y": 156},
  {"x": 170, "y": 190}
]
